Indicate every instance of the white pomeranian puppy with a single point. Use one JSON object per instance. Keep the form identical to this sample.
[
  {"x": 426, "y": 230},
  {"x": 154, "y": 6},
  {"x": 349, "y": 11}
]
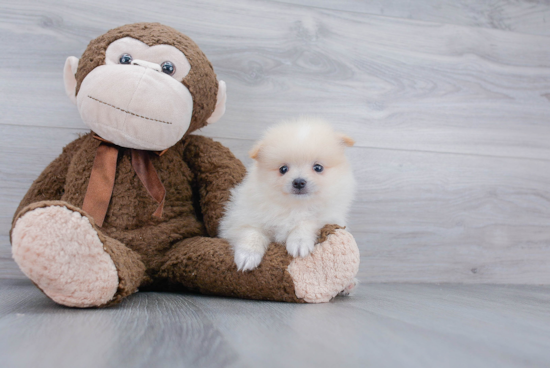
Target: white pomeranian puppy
[{"x": 299, "y": 182}]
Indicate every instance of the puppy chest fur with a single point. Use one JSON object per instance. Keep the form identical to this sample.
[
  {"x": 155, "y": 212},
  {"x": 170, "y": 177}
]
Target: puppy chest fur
[{"x": 299, "y": 182}]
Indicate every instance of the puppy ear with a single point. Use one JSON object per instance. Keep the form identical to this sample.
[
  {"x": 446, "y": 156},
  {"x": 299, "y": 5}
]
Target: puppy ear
[
  {"x": 346, "y": 140},
  {"x": 255, "y": 151},
  {"x": 69, "y": 71}
]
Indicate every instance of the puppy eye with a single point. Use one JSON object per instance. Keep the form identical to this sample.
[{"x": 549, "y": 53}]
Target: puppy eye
[
  {"x": 125, "y": 59},
  {"x": 283, "y": 169},
  {"x": 318, "y": 168},
  {"x": 168, "y": 67}
]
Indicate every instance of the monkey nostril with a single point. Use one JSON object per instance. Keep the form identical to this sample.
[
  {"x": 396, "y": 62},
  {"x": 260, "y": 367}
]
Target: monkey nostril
[{"x": 299, "y": 183}]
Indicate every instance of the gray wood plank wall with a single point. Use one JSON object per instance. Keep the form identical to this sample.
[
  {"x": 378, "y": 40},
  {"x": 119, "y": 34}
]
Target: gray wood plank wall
[{"x": 449, "y": 102}]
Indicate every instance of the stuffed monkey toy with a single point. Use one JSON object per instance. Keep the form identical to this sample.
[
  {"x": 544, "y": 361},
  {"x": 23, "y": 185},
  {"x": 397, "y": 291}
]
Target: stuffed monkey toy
[{"x": 136, "y": 202}]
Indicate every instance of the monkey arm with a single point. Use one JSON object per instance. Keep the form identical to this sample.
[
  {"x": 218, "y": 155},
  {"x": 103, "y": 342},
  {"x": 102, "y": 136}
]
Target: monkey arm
[
  {"x": 50, "y": 184},
  {"x": 217, "y": 171},
  {"x": 206, "y": 265}
]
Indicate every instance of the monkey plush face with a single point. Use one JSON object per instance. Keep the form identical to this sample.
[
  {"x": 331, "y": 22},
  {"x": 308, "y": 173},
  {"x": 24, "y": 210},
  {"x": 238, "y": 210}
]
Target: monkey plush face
[{"x": 144, "y": 86}]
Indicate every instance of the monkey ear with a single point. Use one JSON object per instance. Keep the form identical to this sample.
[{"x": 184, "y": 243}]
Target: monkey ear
[
  {"x": 71, "y": 64},
  {"x": 255, "y": 151},
  {"x": 346, "y": 141},
  {"x": 220, "y": 104}
]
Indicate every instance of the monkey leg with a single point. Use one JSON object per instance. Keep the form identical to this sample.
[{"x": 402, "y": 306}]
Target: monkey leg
[
  {"x": 206, "y": 265},
  {"x": 64, "y": 253}
]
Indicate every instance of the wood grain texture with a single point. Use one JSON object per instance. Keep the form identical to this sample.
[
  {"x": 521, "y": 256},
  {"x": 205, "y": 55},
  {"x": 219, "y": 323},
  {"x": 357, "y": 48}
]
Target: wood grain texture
[
  {"x": 452, "y": 119},
  {"x": 392, "y": 83},
  {"x": 8, "y": 268},
  {"x": 383, "y": 325},
  {"x": 523, "y": 16}
]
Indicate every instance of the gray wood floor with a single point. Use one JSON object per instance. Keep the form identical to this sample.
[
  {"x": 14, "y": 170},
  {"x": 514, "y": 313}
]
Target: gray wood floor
[
  {"x": 384, "y": 325},
  {"x": 449, "y": 102}
]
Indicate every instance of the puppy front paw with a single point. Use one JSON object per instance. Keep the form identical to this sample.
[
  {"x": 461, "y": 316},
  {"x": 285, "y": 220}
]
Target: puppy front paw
[
  {"x": 247, "y": 260},
  {"x": 249, "y": 249},
  {"x": 299, "y": 246}
]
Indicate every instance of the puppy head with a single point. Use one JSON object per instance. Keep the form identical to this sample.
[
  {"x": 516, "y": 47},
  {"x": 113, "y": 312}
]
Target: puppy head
[{"x": 302, "y": 159}]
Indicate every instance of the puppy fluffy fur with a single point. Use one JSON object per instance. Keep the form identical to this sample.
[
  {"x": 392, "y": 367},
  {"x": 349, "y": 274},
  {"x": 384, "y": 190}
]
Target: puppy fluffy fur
[{"x": 300, "y": 181}]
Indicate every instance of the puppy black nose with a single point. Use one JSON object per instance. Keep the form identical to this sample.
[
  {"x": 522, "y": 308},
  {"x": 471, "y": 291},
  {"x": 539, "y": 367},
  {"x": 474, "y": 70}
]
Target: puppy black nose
[{"x": 299, "y": 183}]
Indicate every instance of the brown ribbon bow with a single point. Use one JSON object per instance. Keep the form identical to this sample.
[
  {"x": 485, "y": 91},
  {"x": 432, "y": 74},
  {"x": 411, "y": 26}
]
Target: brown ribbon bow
[{"x": 102, "y": 180}]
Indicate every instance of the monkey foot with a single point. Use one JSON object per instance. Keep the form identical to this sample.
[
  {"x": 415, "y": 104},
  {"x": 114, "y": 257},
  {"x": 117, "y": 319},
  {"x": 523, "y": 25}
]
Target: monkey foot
[
  {"x": 329, "y": 270},
  {"x": 60, "y": 251}
]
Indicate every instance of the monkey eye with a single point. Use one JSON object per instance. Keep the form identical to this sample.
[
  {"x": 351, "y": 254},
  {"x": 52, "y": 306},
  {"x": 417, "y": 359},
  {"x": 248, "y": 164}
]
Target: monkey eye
[
  {"x": 318, "y": 168},
  {"x": 125, "y": 59},
  {"x": 283, "y": 169},
  {"x": 168, "y": 67}
]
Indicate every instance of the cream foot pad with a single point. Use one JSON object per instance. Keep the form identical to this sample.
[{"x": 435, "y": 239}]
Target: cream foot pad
[
  {"x": 60, "y": 251},
  {"x": 330, "y": 269}
]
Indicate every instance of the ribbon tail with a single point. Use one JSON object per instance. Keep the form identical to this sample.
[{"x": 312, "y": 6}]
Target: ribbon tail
[
  {"x": 149, "y": 177},
  {"x": 102, "y": 181},
  {"x": 160, "y": 208}
]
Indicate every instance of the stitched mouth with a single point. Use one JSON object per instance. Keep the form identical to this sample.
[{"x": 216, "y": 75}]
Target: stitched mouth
[{"x": 129, "y": 112}]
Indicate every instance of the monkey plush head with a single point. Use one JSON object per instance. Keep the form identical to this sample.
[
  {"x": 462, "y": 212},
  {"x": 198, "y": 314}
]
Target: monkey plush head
[{"x": 144, "y": 86}]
